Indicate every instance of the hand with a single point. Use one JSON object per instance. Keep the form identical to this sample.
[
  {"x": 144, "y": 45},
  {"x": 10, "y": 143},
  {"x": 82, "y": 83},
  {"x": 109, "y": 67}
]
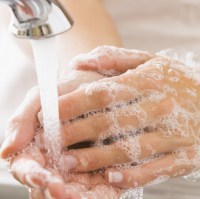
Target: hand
[
  {"x": 21, "y": 130},
  {"x": 145, "y": 121},
  {"x": 23, "y": 124}
]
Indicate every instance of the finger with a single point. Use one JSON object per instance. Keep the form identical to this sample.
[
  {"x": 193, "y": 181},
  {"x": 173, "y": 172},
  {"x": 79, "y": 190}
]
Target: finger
[
  {"x": 36, "y": 194},
  {"x": 131, "y": 149},
  {"x": 24, "y": 165},
  {"x": 22, "y": 126},
  {"x": 89, "y": 129},
  {"x": 31, "y": 174},
  {"x": 110, "y": 60},
  {"x": 28, "y": 169},
  {"x": 91, "y": 159},
  {"x": 97, "y": 125},
  {"x": 85, "y": 159},
  {"x": 79, "y": 101},
  {"x": 156, "y": 171},
  {"x": 104, "y": 93},
  {"x": 71, "y": 81}
]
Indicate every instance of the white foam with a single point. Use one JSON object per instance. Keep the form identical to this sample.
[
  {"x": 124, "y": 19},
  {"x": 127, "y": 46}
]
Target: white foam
[
  {"x": 133, "y": 194},
  {"x": 190, "y": 64}
]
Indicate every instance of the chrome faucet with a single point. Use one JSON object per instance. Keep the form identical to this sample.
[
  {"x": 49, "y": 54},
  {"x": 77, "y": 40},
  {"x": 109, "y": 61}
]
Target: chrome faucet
[{"x": 38, "y": 19}]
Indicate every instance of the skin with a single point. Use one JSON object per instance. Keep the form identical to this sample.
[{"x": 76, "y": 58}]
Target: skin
[
  {"x": 25, "y": 121},
  {"x": 97, "y": 157}
]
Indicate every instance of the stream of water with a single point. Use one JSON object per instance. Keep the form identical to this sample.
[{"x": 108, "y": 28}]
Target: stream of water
[{"x": 46, "y": 67}]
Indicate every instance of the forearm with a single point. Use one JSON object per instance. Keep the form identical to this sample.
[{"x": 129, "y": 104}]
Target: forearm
[{"x": 93, "y": 27}]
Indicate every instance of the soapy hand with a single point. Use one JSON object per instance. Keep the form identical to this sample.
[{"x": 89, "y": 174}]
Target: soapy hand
[
  {"x": 144, "y": 123},
  {"x": 29, "y": 165}
]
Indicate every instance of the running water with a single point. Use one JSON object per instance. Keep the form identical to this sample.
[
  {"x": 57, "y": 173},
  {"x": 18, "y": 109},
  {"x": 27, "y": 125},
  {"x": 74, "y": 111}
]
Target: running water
[{"x": 46, "y": 66}]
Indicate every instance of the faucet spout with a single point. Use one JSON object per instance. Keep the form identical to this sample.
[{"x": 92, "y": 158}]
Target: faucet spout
[{"x": 38, "y": 19}]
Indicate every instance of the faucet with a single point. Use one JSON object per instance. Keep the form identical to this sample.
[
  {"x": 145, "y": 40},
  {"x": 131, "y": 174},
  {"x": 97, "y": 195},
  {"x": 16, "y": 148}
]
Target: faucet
[{"x": 38, "y": 19}]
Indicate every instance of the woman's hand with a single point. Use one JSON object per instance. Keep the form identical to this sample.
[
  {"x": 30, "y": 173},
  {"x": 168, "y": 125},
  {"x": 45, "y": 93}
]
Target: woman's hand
[
  {"x": 29, "y": 165},
  {"x": 144, "y": 122},
  {"x": 21, "y": 131}
]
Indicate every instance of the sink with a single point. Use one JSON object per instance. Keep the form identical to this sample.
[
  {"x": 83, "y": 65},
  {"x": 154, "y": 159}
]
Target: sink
[
  {"x": 10, "y": 188},
  {"x": 13, "y": 192}
]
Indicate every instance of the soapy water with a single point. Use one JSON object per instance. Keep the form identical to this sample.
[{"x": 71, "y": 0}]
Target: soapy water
[{"x": 177, "y": 122}]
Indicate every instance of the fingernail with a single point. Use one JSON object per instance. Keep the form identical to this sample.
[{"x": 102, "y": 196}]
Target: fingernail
[
  {"x": 115, "y": 177},
  {"x": 70, "y": 162},
  {"x": 6, "y": 144}
]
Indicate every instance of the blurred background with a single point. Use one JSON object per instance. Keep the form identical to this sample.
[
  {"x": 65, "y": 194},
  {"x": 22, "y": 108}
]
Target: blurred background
[{"x": 147, "y": 25}]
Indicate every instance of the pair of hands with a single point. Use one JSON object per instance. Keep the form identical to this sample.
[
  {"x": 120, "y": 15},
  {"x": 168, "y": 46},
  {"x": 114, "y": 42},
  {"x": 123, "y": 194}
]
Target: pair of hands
[{"x": 143, "y": 122}]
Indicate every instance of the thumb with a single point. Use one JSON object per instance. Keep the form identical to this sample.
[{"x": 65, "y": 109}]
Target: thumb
[{"x": 110, "y": 60}]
